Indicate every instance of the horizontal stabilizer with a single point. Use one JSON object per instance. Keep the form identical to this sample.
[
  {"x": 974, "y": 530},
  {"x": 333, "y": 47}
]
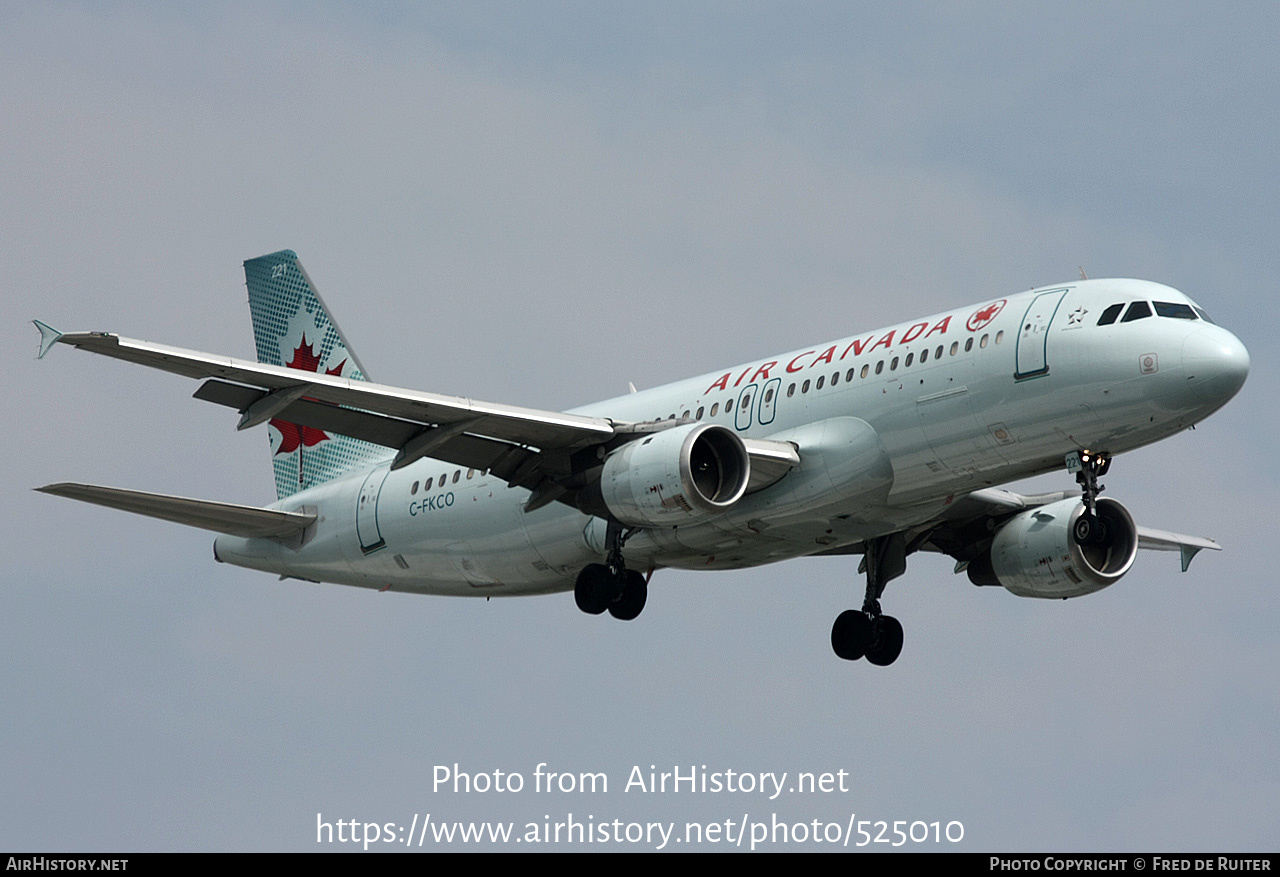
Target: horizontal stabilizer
[{"x": 222, "y": 517}]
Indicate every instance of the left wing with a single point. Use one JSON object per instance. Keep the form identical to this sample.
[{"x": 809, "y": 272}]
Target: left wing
[
  {"x": 279, "y": 389},
  {"x": 545, "y": 451}
]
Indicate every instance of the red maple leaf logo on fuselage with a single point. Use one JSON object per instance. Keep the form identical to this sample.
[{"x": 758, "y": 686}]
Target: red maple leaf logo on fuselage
[
  {"x": 982, "y": 316},
  {"x": 292, "y": 435}
]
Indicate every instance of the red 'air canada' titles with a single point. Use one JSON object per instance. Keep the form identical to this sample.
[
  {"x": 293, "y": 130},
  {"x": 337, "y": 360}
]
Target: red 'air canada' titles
[{"x": 857, "y": 347}]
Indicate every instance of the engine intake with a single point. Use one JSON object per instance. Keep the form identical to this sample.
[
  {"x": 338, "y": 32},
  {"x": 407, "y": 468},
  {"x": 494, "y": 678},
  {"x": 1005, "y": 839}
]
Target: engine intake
[
  {"x": 1034, "y": 554},
  {"x": 680, "y": 474}
]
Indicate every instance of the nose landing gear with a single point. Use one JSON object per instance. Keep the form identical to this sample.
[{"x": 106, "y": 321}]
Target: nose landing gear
[{"x": 1089, "y": 466}]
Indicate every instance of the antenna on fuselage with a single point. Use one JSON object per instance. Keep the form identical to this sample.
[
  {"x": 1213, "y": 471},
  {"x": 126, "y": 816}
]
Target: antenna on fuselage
[{"x": 1083, "y": 276}]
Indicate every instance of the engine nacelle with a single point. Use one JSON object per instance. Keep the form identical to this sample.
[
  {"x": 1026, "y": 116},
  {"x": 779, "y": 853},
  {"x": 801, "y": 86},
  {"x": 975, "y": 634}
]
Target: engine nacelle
[
  {"x": 680, "y": 474},
  {"x": 1035, "y": 555}
]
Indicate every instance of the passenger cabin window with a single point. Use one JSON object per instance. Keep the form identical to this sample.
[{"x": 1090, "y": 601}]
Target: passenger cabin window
[
  {"x": 1174, "y": 309},
  {"x": 715, "y": 409},
  {"x": 1109, "y": 315},
  {"x": 1137, "y": 311},
  {"x": 821, "y": 380}
]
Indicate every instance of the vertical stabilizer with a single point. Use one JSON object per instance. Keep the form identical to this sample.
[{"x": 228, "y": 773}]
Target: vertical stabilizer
[{"x": 293, "y": 328}]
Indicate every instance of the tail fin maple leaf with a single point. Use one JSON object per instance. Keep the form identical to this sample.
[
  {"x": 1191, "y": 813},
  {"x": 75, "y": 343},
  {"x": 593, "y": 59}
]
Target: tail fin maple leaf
[{"x": 292, "y": 435}]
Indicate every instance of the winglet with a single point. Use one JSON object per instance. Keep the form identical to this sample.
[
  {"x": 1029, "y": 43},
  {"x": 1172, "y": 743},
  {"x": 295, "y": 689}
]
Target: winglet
[
  {"x": 1189, "y": 552},
  {"x": 48, "y": 337},
  {"x": 1187, "y": 546}
]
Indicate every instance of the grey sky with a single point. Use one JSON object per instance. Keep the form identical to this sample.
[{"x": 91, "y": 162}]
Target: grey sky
[{"x": 536, "y": 203}]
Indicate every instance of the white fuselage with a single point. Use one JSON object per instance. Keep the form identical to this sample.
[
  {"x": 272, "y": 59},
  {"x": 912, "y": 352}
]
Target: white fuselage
[{"x": 891, "y": 426}]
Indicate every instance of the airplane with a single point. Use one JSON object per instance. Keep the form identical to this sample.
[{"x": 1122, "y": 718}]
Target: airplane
[{"x": 880, "y": 444}]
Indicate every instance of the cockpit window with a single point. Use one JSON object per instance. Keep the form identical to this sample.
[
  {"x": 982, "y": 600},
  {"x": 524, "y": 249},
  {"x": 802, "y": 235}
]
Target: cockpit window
[
  {"x": 1109, "y": 315},
  {"x": 1137, "y": 311},
  {"x": 1174, "y": 309},
  {"x": 1203, "y": 315}
]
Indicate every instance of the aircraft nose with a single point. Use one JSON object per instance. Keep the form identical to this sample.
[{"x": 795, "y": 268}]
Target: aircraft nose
[{"x": 1215, "y": 363}]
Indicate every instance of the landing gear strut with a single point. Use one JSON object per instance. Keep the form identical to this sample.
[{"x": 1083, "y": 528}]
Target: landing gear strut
[
  {"x": 610, "y": 585},
  {"x": 869, "y": 632},
  {"x": 1089, "y": 466}
]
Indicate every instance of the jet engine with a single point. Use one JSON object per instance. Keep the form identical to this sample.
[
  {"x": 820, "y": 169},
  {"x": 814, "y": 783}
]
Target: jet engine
[
  {"x": 680, "y": 474},
  {"x": 1037, "y": 553}
]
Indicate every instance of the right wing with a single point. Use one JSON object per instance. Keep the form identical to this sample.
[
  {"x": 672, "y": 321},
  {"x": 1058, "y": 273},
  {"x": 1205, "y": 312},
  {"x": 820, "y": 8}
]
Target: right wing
[
  {"x": 971, "y": 519},
  {"x": 1187, "y": 546}
]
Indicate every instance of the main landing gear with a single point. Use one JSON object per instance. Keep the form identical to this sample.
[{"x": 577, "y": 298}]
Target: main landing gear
[
  {"x": 867, "y": 631},
  {"x": 1089, "y": 466},
  {"x": 610, "y": 585}
]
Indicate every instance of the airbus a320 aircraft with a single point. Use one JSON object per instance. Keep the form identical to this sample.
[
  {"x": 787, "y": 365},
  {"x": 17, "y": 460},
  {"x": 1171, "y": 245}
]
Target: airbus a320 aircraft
[{"x": 880, "y": 444}]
